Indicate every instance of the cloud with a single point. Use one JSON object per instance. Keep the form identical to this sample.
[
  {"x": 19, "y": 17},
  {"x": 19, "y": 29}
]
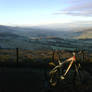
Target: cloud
[
  {"x": 78, "y": 1},
  {"x": 81, "y": 8},
  {"x": 74, "y": 1},
  {"x": 75, "y": 13}
]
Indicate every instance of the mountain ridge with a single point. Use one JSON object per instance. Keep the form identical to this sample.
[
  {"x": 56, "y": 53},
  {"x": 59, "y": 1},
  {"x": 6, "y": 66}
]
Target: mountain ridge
[{"x": 37, "y": 38}]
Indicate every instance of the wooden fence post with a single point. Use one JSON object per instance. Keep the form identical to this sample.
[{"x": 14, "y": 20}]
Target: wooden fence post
[{"x": 53, "y": 55}]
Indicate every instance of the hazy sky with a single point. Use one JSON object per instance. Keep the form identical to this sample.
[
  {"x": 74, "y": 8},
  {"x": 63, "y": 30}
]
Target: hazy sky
[{"x": 40, "y": 12}]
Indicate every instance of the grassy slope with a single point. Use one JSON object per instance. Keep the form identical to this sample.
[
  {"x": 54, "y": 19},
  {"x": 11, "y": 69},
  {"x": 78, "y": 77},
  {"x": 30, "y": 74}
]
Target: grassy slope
[{"x": 86, "y": 34}]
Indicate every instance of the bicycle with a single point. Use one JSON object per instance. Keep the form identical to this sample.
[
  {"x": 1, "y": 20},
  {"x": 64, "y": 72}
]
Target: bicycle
[{"x": 60, "y": 72}]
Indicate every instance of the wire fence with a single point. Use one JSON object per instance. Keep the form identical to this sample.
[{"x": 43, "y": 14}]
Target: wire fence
[{"x": 22, "y": 56}]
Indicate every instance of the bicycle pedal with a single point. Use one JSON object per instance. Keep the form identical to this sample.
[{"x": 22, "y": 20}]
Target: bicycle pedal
[{"x": 62, "y": 77}]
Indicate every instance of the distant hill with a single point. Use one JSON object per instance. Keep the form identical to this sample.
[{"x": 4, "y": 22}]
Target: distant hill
[
  {"x": 85, "y": 34},
  {"x": 42, "y": 32},
  {"x": 33, "y": 32},
  {"x": 39, "y": 38}
]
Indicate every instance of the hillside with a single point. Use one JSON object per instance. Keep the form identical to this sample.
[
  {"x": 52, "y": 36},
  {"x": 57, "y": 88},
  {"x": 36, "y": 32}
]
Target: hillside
[
  {"x": 37, "y": 38},
  {"x": 45, "y": 32},
  {"x": 85, "y": 34}
]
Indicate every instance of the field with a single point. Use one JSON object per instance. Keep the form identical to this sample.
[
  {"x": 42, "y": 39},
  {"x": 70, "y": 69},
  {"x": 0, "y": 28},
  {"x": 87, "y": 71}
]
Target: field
[{"x": 29, "y": 73}]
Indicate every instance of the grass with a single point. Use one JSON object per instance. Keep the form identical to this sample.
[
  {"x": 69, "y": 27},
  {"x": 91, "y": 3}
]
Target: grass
[{"x": 30, "y": 73}]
